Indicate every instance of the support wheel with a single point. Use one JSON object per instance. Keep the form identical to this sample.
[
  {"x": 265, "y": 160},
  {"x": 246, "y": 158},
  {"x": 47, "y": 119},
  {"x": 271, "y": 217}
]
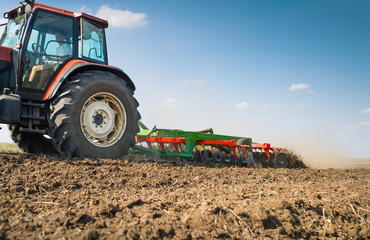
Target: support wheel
[
  {"x": 31, "y": 142},
  {"x": 94, "y": 115},
  {"x": 281, "y": 161}
]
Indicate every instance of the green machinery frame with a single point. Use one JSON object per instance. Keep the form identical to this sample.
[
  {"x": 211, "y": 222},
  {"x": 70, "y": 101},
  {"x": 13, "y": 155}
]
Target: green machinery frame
[{"x": 177, "y": 137}]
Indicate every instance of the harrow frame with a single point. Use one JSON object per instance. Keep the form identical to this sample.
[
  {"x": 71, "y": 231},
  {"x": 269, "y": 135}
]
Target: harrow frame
[{"x": 182, "y": 144}]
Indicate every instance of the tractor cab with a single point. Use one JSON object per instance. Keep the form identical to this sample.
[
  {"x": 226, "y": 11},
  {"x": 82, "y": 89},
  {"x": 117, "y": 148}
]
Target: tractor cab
[{"x": 38, "y": 40}]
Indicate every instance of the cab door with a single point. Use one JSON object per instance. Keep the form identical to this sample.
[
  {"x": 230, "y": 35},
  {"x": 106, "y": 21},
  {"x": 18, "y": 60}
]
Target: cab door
[{"x": 50, "y": 43}]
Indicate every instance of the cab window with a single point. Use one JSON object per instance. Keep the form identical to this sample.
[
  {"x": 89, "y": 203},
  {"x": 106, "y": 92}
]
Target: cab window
[
  {"x": 49, "y": 45},
  {"x": 93, "y": 41},
  {"x": 13, "y": 31}
]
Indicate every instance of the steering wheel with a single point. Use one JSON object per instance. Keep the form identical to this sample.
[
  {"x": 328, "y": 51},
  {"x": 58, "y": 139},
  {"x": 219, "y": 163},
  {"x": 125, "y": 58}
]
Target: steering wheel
[{"x": 35, "y": 47}]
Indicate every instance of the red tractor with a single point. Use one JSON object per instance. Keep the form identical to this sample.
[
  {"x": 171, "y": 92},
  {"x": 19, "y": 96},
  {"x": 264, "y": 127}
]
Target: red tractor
[{"x": 58, "y": 93}]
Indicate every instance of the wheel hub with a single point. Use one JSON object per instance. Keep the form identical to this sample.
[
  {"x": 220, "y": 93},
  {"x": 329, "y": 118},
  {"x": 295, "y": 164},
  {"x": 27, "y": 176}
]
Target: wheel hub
[
  {"x": 103, "y": 119},
  {"x": 98, "y": 119}
]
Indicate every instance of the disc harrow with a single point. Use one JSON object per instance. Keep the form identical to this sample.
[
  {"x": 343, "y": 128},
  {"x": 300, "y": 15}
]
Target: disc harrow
[{"x": 206, "y": 147}]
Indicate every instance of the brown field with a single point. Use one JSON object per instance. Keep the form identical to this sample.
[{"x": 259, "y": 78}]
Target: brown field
[{"x": 49, "y": 197}]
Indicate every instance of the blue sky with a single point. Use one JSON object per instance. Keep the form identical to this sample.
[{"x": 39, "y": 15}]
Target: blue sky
[{"x": 293, "y": 73}]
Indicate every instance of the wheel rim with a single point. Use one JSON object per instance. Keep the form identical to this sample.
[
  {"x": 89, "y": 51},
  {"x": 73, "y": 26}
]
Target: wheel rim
[{"x": 103, "y": 119}]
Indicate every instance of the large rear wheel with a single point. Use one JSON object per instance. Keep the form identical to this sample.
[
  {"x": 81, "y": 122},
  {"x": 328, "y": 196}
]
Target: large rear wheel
[{"x": 94, "y": 115}]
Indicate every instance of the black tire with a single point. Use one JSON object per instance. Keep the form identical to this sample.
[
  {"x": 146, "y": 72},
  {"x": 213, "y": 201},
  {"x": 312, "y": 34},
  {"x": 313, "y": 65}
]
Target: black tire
[
  {"x": 108, "y": 97},
  {"x": 281, "y": 161},
  {"x": 31, "y": 142}
]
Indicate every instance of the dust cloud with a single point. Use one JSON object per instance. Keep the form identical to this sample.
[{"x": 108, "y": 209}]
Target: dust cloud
[{"x": 317, "y": 149}]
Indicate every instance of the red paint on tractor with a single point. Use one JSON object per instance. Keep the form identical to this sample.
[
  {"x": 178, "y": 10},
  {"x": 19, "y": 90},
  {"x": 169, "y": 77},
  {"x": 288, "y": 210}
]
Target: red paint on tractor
[
  {"x": 104, "y": 23},
  {"x": 59, "y": 76},
  {"x": 5, "y": 53},
  {"x": 64, "y": 69}
]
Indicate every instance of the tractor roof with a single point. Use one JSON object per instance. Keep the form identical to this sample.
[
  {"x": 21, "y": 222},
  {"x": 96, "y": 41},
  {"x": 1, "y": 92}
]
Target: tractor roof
[{"x": 97, "y": 20}]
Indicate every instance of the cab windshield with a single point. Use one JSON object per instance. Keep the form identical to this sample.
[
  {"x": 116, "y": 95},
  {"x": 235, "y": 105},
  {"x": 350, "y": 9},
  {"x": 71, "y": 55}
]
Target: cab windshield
[{"x": 13, "y": 32}]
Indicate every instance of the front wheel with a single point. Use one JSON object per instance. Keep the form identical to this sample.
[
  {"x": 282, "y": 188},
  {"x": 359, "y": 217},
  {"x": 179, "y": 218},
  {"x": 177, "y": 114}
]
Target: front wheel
[
  {"x": 94, "y": 115},
  {"x": 31, "y": 142}
]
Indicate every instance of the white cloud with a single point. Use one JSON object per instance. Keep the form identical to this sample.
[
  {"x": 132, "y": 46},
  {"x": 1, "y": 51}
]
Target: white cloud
[
  {"x": 302, "y": 104},
  {"x": 365, "y": 110},
  {"x": 242, "y": 105},
  {"x": 170, "y": 101},
  {"x": 274, "y": 105},
  {"x": 85, "y": 9},
  {"x": 351, "y": 127},
  {"x": 194, "y": 82},
  {"x": 310, "y": 91},
  {"x": 122, "y": 18},
  {"x": 168, "y": 105},
  {"x": 3, "y": 20},
  {"x": 266, "y": 106},
  {"x": 299, "y": 86},
  {"x": 365, "y": 123},
  {"x": 257, "y": 119}
]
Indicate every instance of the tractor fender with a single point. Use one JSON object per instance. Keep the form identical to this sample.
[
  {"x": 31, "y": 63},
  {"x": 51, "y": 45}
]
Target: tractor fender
[{"x": 76, "y": 66}]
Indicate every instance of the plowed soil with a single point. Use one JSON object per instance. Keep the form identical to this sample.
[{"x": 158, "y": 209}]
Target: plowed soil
[{"x": 49, "y": 197}]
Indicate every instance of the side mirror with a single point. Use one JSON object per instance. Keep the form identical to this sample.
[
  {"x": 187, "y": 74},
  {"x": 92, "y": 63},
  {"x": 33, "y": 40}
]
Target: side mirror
[
  {"x": 28, "y": 8},
  {"x": 20, "y": 10}
]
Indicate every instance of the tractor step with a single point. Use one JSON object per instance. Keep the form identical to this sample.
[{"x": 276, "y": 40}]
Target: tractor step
[
  {"x": 33, "y": 117},
  {"x": 32, "y": 130},
  {"x": 32, "y": 104}
]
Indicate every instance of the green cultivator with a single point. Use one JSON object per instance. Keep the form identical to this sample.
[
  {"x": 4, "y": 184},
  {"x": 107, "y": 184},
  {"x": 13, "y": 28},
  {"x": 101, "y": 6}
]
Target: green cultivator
[{"x": 205, "y": 146}]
